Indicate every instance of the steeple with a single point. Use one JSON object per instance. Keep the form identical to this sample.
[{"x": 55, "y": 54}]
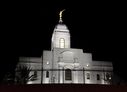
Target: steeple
[
  {"x": 61, "y": 35},
  {"x": 60, "y": 16}
]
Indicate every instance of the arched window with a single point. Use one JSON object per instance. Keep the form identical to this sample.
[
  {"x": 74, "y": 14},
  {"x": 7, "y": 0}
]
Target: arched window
[
  {"x": 68, "y": 75},
  {"x": 98, "y": 77},
  {"x": 47, "y": 74},
  {"x": 62, "y": 43}
]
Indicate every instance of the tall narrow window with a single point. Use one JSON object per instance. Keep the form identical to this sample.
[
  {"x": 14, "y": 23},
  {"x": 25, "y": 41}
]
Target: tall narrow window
[
  {"x": 88, "y": 76},
  {"x": 62, "y": 43},
  {"x": 98, "y": 77},
  {"x": 47, "y": 74},
  {"x": 68, "y": 75}
]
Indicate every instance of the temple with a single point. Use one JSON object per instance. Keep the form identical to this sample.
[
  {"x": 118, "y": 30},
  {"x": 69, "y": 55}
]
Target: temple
[{"x": 63, "y": 64}]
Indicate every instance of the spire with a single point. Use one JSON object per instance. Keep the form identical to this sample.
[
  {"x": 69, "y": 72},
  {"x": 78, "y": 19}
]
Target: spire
[{"x": 60, "y": 16}]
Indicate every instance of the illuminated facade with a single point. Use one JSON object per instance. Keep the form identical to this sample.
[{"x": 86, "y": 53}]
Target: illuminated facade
[{"x": 63, "y": 64}]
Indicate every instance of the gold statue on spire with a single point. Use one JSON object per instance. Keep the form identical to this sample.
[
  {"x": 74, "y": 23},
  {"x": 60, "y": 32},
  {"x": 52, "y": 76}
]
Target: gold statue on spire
[{"x": 60, "y": 15}]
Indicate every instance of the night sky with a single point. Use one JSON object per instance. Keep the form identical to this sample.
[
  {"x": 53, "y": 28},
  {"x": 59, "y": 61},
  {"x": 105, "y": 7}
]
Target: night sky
[{"x": 94, "y": 27}]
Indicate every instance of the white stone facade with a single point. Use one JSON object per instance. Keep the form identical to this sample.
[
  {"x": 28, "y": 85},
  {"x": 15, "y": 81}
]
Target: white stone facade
[
  {"x": 63, "y": 64},
  {"x": 78, "y": 62}
]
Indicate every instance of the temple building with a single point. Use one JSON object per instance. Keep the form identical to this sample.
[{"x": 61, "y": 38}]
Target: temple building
[{"x": 65, "y": 65}]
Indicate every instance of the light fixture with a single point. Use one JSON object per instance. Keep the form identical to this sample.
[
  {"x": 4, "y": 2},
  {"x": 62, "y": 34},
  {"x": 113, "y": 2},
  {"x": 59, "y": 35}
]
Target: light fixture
[
  {"x": 47, "y": 62},
  {"x": 30, "y": 82}
]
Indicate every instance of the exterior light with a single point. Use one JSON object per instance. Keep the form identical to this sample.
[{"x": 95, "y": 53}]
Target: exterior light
[
  {"x": 47, "y": 62},
  {"x": 30, "y": 82},
  {"x": 87, "y": 65}
]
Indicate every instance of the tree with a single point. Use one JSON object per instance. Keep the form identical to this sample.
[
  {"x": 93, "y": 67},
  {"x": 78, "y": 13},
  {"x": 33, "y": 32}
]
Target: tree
[
  {"x": 22, "y": 74},
  {"x": 108, "y": 78},
  {"x": 8, "y": 78}
]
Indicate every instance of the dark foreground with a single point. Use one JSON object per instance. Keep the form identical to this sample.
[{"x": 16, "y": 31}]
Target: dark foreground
[{"x": 63, "y": 88}]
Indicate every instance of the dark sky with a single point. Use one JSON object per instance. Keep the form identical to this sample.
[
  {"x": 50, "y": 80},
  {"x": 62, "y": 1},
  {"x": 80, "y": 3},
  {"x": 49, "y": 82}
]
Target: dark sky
[{"x": 98, "y": 28}]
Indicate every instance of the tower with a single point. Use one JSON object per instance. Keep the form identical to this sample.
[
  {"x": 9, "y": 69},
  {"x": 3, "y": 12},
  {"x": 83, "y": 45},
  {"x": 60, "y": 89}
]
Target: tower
[{"x": 61, "y": 35}]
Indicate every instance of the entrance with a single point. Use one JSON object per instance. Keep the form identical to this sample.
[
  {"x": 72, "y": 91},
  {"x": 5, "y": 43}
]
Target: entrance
[{"x": 68, "y": 76}]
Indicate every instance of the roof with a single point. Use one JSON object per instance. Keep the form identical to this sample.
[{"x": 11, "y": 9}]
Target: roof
[{"x": 61, "y": 27}]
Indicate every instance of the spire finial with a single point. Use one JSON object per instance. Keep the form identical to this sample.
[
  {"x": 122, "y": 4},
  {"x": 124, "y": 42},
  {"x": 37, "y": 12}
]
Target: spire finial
[{"x": 60, "y": 16}]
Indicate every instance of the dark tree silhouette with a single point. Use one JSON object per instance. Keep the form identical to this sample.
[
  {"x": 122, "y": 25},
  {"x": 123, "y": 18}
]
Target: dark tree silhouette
[{"x": 22, "y": 74}]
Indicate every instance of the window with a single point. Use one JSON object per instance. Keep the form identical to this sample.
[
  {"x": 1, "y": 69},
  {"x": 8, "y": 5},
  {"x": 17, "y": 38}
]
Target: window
[
  {"x": 98, "y": 77},
  {"x": 62, "y": 43},
  {"x": 88, "y": 76},
  {"x": 68, "y": 75},
  {"x": 47, "y": 74}
]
